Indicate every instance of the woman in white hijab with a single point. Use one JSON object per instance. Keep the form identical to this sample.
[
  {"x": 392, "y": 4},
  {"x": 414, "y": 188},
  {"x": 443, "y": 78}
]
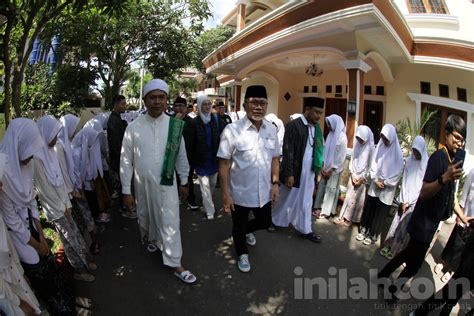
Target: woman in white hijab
[
  {"x": 360, "y": 164},
  {"x": 69, "y": 123},
  {"x": 16, "y": 296},
  {"x": 99, "y": 162},
  {"x": 412, "y": 181},
  {"x": 21, "y": 142},
  {"x": 333, "y": 164},
  {"x": 385, "y": 171},
  {"x": 204, "y": 143},
  {"x": 55, "y": 200},
  {"x": 272, "y": 118}
]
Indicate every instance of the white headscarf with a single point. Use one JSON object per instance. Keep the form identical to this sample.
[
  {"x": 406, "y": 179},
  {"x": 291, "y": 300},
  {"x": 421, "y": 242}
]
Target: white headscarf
[
  {"x": 69, "y": 123},
  {"x": 388, "y": 160},
  {"x": 49, "y": 128},
  {"x": 205, "y": 117},
  {"x": 155, "y": 84},
  {"x": 295, "y": 116},
  {"x": 272, "y": 118},
  {"x": 96, "y": 148},
  {"x": 414, "y": 172},
  {"x": 83, "y": 151},
  {"x": 22, "y": 140},
  {"x": 337, "y": 127},
  {"x": 362, "y": 153},
  {"x": 103, "y": 118}
]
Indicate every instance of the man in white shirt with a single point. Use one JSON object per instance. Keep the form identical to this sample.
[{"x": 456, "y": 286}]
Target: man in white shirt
[
  {"x": 249, "y": 155},
  {"x": 152, "y": 150}
]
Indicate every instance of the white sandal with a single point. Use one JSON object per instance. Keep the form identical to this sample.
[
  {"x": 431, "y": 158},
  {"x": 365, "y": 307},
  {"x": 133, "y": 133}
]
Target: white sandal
[
  {"x": 186, "y": 277},
  {"x": 438, "y": 268}
]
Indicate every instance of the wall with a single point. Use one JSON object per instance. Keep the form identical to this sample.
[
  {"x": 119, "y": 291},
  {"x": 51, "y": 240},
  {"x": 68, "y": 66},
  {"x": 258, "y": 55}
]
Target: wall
[
  {"x": 272, "y": 92},
  {"x": 458, "y": 25}
]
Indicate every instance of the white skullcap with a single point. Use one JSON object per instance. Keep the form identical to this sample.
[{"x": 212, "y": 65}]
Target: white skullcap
[{"x": 155, "y": 84}]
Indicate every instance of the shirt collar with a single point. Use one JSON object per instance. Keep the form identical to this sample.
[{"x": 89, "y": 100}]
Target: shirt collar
[
  {"x": 305, "y": 122},
  {"x": 247, "y": 123}
]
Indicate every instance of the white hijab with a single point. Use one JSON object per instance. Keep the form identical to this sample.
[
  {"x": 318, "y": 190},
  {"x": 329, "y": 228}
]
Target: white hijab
[
  {"x": 103, "y": 118},
  {"x": 96, "y": 160},
  {"x": 69, "y": 123},
  {"x": 414, "y": 172},
  {"x": 388, "y": 160},
  {"x": 83, "y": 147},
  {"x": 337, "y": 127},
  {"x": 362, "y": 153},
  {"x": 49, "y": 128},
  {"x": 272, "y": 118},
  {"x": 205, "y": 117},
  {"x": 22, "y": 140},
  {"x": 295, "y": 116}
]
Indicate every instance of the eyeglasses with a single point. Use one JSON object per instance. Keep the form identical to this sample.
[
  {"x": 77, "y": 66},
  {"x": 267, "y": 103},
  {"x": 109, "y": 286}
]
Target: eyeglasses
[
  {"x": 255, "y": 103},
  {"x": 458, "y": 139}
]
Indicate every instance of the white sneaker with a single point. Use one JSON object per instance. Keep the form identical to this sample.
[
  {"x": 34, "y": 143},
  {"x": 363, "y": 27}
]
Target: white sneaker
[
  {"x": 251, "y": 240},
  {"x": 210, "y": 216},
  {"x": 243, "y": 263}
]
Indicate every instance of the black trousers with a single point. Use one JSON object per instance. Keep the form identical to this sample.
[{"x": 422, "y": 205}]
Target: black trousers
[
  {"x": 48, "y": 283},
  {"x": 242, "y": 226},
  {"x": 91, "y": 197},
  {"x": 450, "y": 294},
  {"x": 413, "y": 255},
  {"x": 373, "y": 216}
]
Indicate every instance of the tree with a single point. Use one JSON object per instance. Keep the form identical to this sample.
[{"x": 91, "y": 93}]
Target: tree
[
  {"x": 208, "y": 41},
  {"x": 406, "y": 132},
  {"x": 26, "y": 21},
  {"x": 151, "y": 31}
]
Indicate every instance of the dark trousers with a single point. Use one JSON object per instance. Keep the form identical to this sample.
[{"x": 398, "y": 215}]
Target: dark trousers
[
  {"x": 48, "y": 283},
  {"x": 413, "y": 255},
  {"x": 451, "y": 293},
  {"x": 91, "y": 197},
  {"x": 191, "y": 196},
  {"x": 373, "y": 216},
  {"x": 242, "y": 226}
]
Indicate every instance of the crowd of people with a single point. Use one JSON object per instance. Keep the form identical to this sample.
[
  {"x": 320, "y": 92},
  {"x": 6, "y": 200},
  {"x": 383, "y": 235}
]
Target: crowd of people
[{"x": 284, "y": 175}]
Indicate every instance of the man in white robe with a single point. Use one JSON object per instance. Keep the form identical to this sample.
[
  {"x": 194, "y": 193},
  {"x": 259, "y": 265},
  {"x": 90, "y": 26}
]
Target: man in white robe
[
  {"x": 297, "y": 172},
  {"x": 147, "y": 154}
]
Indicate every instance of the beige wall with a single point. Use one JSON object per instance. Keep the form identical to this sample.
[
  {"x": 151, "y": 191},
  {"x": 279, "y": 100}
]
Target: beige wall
[{"x": 272, "y": 92}]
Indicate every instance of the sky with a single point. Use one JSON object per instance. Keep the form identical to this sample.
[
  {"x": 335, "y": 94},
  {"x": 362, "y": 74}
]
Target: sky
[{"x": 219, "y": 9}]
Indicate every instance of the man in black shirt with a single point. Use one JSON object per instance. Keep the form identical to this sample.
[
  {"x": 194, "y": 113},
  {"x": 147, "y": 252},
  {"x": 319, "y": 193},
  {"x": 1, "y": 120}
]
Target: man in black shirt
[
  {"x": 221, "y": 112},
  {"x": 115, "y": 131},
  {"x": 435, "y": 203}
]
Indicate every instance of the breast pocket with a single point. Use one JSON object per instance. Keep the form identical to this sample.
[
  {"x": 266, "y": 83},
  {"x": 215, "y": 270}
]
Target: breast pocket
[
  {"x": 244, "y": 153},
  {"x": 269, "y": 144}
]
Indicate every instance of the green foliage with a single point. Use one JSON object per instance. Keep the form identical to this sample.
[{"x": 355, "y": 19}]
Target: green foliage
[
  {"x": 406, "y": 132},
  {"x": 64, "y": 91},
  {"x": 181, "y": 87},
  {"x": 208, "y": 41},
  {"x": 133, "y": 86}
]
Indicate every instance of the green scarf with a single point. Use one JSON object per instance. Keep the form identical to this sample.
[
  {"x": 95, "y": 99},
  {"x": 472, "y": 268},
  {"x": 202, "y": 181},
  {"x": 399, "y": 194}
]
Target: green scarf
[
  {"x": 175, "y": 131},
  {"x": 318, "y": 149}
]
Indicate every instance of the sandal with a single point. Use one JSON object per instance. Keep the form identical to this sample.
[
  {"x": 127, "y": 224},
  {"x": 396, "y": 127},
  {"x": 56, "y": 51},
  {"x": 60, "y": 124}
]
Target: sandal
[
  {"x": 445, "y": 278},
  {"x": 151, "y": 247},
  {"x": 384, "y": 251},
  {"x": 367, "y": 241},
  {"x": 83, "y": 311},
  {"x": 338, "y": 221},
  {"x": 313, "y": 237},
  {"x": 316, "y": 212},
  {"x": 389, "y": 255},
  {"x": 347, "y": 223},
  {"x": 94, "y": 248},
  {"x": 186, "y": 276},
  {"x": 84, "y": 302},
  {"x": 438, "y": 268}
]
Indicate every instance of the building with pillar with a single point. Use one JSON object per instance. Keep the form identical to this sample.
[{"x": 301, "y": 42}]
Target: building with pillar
[{"x": 374, "y": 61}]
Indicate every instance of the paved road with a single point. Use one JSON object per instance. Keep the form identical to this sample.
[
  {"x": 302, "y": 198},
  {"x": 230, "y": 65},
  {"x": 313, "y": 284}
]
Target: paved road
[{"x": 131, "y": 281}]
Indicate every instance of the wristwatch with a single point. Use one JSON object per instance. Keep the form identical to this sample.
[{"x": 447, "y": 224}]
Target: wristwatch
[{"x": 440, "y": 180}]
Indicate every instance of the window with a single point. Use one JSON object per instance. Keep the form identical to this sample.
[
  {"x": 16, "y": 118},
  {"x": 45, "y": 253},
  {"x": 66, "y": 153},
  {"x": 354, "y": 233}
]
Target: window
[
  {"x": 444, "y": 91},
  {"x": 328, "y": 89},
  {"x": 427, "y": 6},
  {"x": 462, "y": 94},
  {"x": 380, "y": 90},
  {"x": 314, "y": 89},
  {"x": 306, "y": 89},
  {"x": 367, "y": 89},
  {"x": 425, "y": 87},
  {"x": 338, "y": 89},
  {"x": 434, "y": 128}
]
